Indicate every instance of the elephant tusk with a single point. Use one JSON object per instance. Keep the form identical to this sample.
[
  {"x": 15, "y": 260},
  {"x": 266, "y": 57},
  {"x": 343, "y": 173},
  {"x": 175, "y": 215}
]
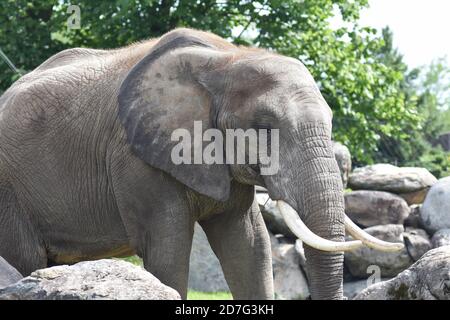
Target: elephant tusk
[
  {"x": 370, "y": 241},
  {"x": 297, "y": 226}
]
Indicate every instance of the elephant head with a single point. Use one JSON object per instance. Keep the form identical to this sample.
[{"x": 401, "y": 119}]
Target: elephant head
[{"x": 190, "y": 76}]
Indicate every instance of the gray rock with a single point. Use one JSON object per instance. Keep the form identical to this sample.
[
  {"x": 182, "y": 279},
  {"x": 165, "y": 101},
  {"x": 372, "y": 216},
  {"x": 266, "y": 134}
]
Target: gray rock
[
  {"x": 415, "y": 197},
  {"x": 352, "y": 288},
  {"x": 390, "y": 263},
  {"x": 8, "y": 274},
  {"x": 427, "y": 279},
  {"x": 417, "y": 242},
  {"x": 289, "y": 279},
  {"x": 441, "y": 238},
  {"x": 107, "y": 279},
  {"x": 205, "y": 272},
  {"x": 344, "y": 161},
  {"x": 371, "y": 208},
  {"x": 386, "y": 177},
  {"x": 435, "y": 212},
  {"x": 413, "y": 220},
  {"x": 272, "y": 216}
]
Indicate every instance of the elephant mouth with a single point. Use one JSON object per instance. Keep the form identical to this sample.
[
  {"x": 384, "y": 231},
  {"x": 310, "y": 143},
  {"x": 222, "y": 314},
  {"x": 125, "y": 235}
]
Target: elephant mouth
[{"x": 297, "y": 226}]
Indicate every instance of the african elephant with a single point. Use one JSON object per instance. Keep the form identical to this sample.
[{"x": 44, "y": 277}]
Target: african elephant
[{"x": 86, "y": 170}]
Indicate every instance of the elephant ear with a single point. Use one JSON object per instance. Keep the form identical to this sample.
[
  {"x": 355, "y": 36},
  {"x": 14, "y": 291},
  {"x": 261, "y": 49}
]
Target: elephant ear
[{"x": 164, "y": 92}]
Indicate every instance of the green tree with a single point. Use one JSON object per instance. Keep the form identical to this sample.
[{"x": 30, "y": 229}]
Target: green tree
[
  {"x": 433, "y": 87},
  {"x": 400, "y": 148},
  {"x": 446, "y": 120},
  {"x": 26, "y": 36},
  {"x": 425, "y": 89},
  {"x": 364, "y": 93}
]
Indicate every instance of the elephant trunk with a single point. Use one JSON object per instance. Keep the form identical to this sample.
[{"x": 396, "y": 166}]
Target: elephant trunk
[
  {"x": 315, "y": 189},
  {"x": 321, "y": 200},
  {"x": 310, "y": 180}
]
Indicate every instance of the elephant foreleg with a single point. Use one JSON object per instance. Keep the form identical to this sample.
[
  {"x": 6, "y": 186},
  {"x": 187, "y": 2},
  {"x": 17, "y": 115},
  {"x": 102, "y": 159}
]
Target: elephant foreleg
[
  {"x": 241, "y": 242},
  {"x": 167, "y": 250},
  {"x": 20, "y": 244},
  {"x": 160, "y": 227}
]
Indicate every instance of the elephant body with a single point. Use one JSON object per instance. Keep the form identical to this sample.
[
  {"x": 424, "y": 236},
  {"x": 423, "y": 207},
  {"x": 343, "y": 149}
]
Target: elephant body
[
  {"x": 86, "y": 166},
  {"x": 56, "y": 167},
  {"x": 73, "y": 190}
]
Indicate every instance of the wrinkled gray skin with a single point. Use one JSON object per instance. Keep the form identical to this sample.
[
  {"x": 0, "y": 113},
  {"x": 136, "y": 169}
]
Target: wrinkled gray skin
[{"x": 86, "y": 171}]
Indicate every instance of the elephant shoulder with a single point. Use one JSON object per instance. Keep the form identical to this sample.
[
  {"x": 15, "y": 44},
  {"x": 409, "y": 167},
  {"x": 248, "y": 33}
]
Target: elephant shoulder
[
  {"x": 70, "y": 56},
  {"x": 59, "y": 87},
  {"x": 37, "y": 98}
]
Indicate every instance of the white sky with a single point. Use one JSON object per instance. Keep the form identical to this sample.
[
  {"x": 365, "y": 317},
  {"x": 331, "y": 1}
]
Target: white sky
[{"x": 421, "y": 27}]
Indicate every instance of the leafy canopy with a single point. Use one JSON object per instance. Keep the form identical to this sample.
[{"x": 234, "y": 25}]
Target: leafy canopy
[{"x": 346, "y": 60}]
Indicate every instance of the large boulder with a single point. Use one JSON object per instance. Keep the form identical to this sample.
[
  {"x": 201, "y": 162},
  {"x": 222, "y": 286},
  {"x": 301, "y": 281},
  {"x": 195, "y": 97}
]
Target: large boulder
[
  {"x": 289, "y": 280},
  {"x": 386, "y": 177},
  {"x": 371, "y": 208},
  {"x": 390, "y": 263},
  {"x": 435, "y": 212},
  {"x": 441, "y": 238},
  {"x": 416, "y": 243},
  {"x": 8, "y": 274},
  {"x": 427, "y": 279},
  {"x": 271, "y": 214},
  {"x": 344, "y": 161},
  {"x": 205, "y": 272},
  {"x": 107, "y": 279}
]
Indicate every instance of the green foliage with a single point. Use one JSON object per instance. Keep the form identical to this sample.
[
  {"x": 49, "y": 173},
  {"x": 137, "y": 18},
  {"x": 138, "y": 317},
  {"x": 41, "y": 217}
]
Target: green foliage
[
  {"x": 197, "y": 295},
  {"x": 445, "y": 119},
  {"x": 134, "y": 260},
  {"x": 427, "y": 90},
  {"x": 398, "y": 149},
  {"x": 358, "y": 77},
  {"x": 25, "y": 36},
  {"x": 435, "y": 160}
]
